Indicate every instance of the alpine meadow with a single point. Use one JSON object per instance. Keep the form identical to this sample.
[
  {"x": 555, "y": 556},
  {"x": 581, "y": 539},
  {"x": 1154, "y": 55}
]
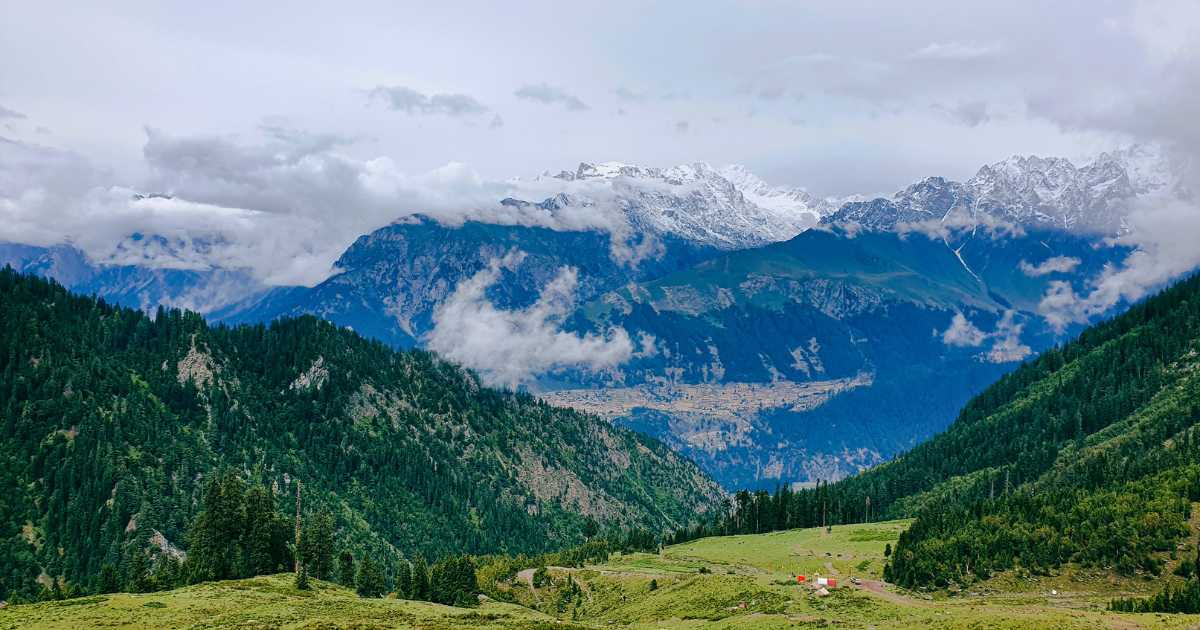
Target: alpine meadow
[{"x": 537, "y": 315}]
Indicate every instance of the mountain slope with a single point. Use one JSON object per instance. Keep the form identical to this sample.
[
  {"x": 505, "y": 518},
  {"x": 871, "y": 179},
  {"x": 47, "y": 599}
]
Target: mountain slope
[
  {"x": 1088, "y": 455},
  {"x": 392, "y": 280},
  {"x": 113, "y": 420},
  {"x": 820, "y": 356}
]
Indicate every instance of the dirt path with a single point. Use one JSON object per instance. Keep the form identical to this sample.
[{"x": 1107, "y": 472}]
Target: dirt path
[
  {"x": 526, "y": 576},
  {"x": 877, "y": 588}
]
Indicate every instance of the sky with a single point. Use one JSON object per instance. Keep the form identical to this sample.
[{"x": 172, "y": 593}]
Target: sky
[{"x": 294, "y": 127}]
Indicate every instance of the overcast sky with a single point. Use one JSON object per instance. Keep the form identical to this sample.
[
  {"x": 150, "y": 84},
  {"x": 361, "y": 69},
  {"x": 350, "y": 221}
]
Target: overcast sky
[
  {"x": 442, "y": 98},
  {"x": 841, "y": 97}
]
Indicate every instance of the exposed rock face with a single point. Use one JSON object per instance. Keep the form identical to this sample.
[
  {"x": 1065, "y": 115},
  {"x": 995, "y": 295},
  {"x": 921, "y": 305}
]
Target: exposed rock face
[
  {"x": 197, "y": 367},
  {"x": 313, "y": 378}
]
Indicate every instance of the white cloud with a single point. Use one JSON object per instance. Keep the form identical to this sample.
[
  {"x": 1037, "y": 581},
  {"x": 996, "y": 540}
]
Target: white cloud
[
  {"x": 1054, "y": 264},
  {"x": 955, "y": 51},
  {"x": 509, "y": 348},
  {"x": 1167, "y": 240},
  {"x": 963, "y": 333},
  {"x": 1007, "y": 346},
  {"x": 1006, "y": 338},
  {"x": 283, "y": 209}
]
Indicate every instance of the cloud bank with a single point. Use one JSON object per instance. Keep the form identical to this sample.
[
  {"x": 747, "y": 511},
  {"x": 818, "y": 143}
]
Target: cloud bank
[
  {"x": 508, "y": 348},
  {"x": 283, "y": 208}
]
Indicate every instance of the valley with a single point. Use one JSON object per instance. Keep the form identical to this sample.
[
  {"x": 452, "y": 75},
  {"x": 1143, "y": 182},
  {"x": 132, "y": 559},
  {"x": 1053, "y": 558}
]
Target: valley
[{"x": 600, "y": 316}]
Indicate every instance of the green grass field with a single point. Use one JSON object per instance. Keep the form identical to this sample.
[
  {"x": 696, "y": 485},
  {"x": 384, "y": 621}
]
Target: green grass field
[{"x": 726, "y": 582}]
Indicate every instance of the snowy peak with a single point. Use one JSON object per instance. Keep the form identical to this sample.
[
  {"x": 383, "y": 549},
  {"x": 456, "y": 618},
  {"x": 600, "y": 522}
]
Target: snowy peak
[
  {"x": 1029, "y": 191},
  {"x": 728, "y": 208},
  {"x": 780, "y": 199}
]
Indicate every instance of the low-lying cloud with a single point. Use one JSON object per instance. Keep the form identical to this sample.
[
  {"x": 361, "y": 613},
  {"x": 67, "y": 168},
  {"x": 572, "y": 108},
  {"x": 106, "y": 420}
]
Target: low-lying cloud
[
  {"x": 1006, "y": 338},
  {"x": 962, "y": 333},
  {"x": 1055, "y": 264},
  {"x": 1167, "y": 240},
  {"x": 283, "y": 208},
  {"x": 508, "y": 348}
]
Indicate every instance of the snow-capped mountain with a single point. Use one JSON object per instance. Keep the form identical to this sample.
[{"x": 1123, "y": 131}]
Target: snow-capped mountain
[
  {"x": 1025, "y": 191},
  {"x": 728, "y": 208},
  {"x": 787, "y": 201}
]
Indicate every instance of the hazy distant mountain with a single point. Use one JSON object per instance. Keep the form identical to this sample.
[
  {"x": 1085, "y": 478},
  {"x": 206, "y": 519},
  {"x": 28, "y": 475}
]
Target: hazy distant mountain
[{"x": 1026, "y": 191}]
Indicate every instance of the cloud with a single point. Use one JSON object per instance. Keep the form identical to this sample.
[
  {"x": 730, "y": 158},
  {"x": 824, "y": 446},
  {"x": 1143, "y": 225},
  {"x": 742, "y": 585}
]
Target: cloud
[
  {"x": 282, "y": 208},
  {"x": 955, "y": 51},
  {"x": 771, "y": 93},
  {"x": 1008, "y": 346},
  {"x": 1006, "y": 338},
  {"x": 968, "y": 113},
  {"x": 962, "y": 333},
  {"x": 410, "y": 101},
  {"x": 1165, "y": 240},
  {"x": 1055, "y": 264},
  {"x": 9, "y": 113},
  {"x": 630, "y": 96},
  {"x": 1159, "y": 108},
  {"x": 957, "y": 223},
  {"x": 509, "y": 348},
  {"x": 550, "y": 95}
]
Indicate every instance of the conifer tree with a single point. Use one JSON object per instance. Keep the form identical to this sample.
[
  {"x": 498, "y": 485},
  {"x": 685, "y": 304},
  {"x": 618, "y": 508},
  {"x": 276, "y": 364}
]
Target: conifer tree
[
  {"x": 108, "y": 582},
  {"x": 404, "y": 580},
  {"x": 316, "y": 544},
  {"x": 370, "y": 580},
  {"x": 420, "y": 579},
  {"x": 346, "y": 569}
]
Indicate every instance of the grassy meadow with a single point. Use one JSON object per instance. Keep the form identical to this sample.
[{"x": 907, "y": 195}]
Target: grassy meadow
[{"x": 724, "y": 582}]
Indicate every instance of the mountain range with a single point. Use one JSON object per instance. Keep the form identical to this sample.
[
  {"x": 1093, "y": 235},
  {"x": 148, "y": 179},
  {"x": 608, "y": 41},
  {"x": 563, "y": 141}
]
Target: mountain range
[{"x": 771, "y": 335}]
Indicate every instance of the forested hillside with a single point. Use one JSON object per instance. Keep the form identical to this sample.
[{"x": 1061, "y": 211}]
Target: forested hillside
[
  {"x": 113, "y": 422},
  {"x": 1089, "y": 454}
]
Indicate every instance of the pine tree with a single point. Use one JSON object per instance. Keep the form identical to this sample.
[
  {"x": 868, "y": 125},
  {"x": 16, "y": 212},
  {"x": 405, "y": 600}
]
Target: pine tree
[
  {"x": 420, "y": 579},
  {"x": 346, "y": 569},
  {"x": 302, "y": 578},
  {"x": 370, "y": 580},
  {"x": 108, "y": 582},
  {"x": 258, "y": 538},
  {"x": 316, "y": 544},
  {"x": 404, "y": 580},
  {"x": 137, "y": 573}
]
